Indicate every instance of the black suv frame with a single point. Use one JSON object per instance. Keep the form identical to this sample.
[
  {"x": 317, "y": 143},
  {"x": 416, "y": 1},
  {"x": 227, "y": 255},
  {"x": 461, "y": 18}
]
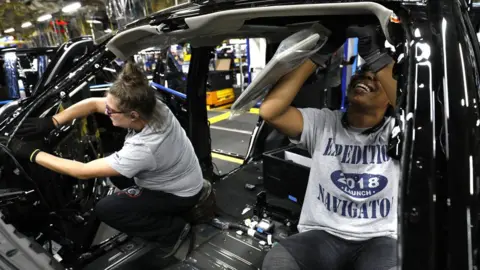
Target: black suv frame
[{"x": 438, "y": 120}]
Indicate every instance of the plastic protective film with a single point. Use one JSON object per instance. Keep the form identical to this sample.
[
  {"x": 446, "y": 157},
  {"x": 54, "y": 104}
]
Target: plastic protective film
[{"x": 291, "y": 53}]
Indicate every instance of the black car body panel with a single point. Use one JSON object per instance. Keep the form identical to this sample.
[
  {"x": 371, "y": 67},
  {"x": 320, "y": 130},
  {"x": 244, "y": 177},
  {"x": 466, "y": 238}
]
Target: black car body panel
[{"x": 438, "y": 122}]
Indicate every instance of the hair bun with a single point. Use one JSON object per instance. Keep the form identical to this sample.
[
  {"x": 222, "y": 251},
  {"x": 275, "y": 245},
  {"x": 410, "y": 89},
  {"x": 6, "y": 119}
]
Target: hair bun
[{"x": 132, "y": 74}]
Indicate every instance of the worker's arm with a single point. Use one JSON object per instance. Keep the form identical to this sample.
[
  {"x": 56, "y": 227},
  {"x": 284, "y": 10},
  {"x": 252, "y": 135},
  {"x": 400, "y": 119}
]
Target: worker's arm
[
  {"x": 35, "y": 126},
  {"x": 389, "y": 84},
  {"x": 92, "y": 169},
  {"x": 276, "y": 109},
  {"x": 129, "y": 161},
  {"x": 80, "y": 109}
]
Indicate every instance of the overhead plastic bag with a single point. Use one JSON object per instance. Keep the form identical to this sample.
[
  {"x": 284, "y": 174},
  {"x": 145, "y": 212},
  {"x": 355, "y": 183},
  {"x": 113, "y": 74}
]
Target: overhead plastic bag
[{"x": 291, "y": 53}]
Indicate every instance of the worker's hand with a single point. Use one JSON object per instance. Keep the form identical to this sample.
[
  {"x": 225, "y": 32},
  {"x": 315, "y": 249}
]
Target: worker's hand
[
  {"x": 36, "y": 126},
  {"x": 371, "y": 46},
  {"x": 21, "y": 149},
  {"x": 322, "y": 57}
]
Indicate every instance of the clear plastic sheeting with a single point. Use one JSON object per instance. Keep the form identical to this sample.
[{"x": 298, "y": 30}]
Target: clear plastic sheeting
[{"x": 291, "y": 53}]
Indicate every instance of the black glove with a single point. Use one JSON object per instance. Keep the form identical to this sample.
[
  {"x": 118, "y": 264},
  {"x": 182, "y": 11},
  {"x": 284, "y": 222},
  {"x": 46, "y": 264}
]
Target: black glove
[
  {"x": 21, "y": 149},
  {"x": 36, "y": 126},
  {"x": 335, "y": 40},
  {"x": 371, "y": 46},
  {"x": 321, "y": 60}
]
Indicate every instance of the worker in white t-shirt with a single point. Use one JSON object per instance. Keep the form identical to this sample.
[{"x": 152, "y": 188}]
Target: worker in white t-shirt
[{"x": 349, "y": 215}]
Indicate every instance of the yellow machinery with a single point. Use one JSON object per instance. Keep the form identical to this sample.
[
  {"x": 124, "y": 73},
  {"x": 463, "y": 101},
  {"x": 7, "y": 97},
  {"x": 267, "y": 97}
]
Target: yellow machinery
[{"x": 220, "y": 97}]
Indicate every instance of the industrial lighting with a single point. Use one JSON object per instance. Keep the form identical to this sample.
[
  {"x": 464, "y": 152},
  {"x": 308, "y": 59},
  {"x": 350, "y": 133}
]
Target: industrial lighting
[
  {"x": 26, "y": 24},
  {"x": 45, "y": 17},
  {"x": 94, "y": 21},
  {"x": 9, "y": 30},
  {"x": 72, "y": 7}
]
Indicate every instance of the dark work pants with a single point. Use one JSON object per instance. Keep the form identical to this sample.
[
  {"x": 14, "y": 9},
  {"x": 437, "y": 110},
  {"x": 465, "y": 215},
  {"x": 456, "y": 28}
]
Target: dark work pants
[
  {"x": 320, "y": 250},
  {"x": 149, "y": 214}
]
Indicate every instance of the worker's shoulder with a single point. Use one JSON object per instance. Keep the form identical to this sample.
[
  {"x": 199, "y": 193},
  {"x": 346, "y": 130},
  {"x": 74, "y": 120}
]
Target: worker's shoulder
[{"x": 322, "y": 112}]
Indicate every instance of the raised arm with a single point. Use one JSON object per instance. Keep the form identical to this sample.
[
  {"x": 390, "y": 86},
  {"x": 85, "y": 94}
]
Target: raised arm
[
  {"x": 80, "y": 109},
  {"x": 276, "y": 109},
  {"x": 35, "y": 126}
]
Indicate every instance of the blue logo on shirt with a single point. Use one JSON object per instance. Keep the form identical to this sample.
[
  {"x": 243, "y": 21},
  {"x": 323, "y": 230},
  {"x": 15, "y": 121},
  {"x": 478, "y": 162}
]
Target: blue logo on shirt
[
  {"x": 373, "y": 209},
  {"x": 355, "y": 154},
  {"x": 361, "y": 185}
]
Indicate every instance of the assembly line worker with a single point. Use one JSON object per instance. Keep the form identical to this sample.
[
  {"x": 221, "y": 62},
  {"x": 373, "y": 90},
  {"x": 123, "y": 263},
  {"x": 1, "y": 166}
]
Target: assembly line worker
[
  {"x": 349, "y": 217},
  {"x": 156, "y": 153}
]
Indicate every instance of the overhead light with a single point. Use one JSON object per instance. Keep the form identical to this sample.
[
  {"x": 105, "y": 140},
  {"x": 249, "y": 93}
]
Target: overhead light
[
  {"x": 45, "y": 17},
  {"x": 9, "y": 30},
  {"x": 108, "y": 30},
  {"x": 94, "y": 21},
  {"x": 72, "y": 7},
  {"x": 26, "y": 24}
]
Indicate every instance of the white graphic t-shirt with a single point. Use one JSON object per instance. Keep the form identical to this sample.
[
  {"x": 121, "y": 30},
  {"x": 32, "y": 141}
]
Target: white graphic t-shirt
[{"x": 353, "y": 183}]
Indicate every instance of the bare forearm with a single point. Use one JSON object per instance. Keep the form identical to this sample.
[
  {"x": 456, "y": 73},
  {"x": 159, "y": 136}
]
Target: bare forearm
[
  {"x": 60, "y": 165},
  {"x": 385, "y": 76},
  {"x": 282, "y": 95},
  {"x": 78, "y": 110}
]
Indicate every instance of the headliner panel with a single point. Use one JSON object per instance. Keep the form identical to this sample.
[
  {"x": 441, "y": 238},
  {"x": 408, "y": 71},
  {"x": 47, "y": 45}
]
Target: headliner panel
[{"x": 218, "y": 26}]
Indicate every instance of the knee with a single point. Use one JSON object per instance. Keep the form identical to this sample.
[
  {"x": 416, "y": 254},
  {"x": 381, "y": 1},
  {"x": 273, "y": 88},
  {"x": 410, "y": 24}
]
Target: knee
[
  {"x": 104, "y": 209},
  {"x": 279, "y": 258}
]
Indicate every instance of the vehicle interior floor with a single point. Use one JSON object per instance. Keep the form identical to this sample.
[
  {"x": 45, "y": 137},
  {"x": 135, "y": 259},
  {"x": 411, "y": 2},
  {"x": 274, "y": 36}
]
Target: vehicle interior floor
[
  {"x": 231, "y": 194},
  {"x": 214, "y": 248},
  {"x": 222, "y": 166}
]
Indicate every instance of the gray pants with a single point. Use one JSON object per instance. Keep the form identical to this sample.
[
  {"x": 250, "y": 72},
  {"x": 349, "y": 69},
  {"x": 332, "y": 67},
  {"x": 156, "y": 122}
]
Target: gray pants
[{"x": 320, "y": 250}]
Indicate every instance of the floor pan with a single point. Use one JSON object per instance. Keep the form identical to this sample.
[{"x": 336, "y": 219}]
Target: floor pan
[
  {"x": 213, "y": 248},
  {"x": 225, "y": 250}
]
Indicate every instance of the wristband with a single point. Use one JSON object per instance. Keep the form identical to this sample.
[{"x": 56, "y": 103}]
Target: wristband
[{"x": 34, "y": 154}]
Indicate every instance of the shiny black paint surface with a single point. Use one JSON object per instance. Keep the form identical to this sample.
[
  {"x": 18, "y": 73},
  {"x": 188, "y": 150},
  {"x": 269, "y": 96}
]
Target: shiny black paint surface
[
  {"x": 59, "y": 88},
  {"x": 441, "y": 158},
  {"x": 461, "y": 123},
  {"x": 440, "y": 166},
  {"x": 60, "y": 52},
  {"x": 417, "y": 215}
]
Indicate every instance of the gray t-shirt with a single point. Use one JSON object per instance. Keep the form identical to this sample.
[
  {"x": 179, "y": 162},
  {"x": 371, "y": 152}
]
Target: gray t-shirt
[
  {"x": 160, "y": 158},
  {"x": 353, "y": 183}
]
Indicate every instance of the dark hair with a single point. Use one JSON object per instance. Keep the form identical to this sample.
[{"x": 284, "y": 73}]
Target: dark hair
[{"x": 133, "y": 92}]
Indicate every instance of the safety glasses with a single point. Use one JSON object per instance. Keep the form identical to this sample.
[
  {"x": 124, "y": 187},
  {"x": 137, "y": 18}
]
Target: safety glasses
[{"x": 109, "y": 111}]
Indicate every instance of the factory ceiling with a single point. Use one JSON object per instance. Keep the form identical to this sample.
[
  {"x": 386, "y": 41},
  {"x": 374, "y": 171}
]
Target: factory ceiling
[{"x": 13, "y": 13}]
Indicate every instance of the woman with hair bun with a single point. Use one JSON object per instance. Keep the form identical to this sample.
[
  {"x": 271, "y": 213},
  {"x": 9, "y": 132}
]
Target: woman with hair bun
[{"x": 156, "y": 153}]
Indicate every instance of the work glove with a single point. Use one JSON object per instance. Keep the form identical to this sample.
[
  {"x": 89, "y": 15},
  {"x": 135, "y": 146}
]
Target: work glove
[
  {"x": 322, "y": 57},
  {"x": 335, "y": 40},
  {"x": 36, "y": 126},
  {"x": 371, "y": 46},
  {"x": 321, "y": 60},
  {"x": 21, "y": 149}
]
